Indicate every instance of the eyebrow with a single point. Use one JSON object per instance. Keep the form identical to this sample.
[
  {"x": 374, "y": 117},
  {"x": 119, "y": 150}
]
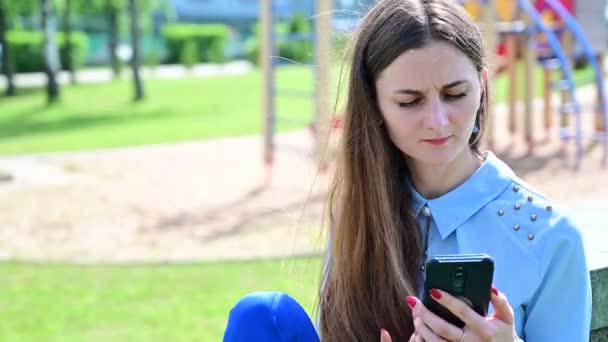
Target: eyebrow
[{"x": 416, "y": 92}]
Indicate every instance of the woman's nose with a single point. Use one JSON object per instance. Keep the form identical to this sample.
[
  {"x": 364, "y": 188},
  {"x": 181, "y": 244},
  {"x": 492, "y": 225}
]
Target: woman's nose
[{"x": 436, "y": 116}]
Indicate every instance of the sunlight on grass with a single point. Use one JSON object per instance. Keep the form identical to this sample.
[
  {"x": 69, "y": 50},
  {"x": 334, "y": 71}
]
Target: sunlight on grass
[{"x": 190, "y": 302}]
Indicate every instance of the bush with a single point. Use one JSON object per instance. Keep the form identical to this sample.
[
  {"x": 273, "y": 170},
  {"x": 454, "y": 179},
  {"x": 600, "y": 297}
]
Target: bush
[
  {"x": 189, "y": 54},
  {"x": 27, "y": 49},
  {"x": 292, "y": 42},
  {"x": 152, "y": 58},
  {"x": 209, "y": 41}
]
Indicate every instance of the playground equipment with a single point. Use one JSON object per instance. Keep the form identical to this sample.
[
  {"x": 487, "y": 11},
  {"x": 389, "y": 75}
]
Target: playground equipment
[
  {"x": 321, "y": 39},
  {"x": 553, "y": 33}
]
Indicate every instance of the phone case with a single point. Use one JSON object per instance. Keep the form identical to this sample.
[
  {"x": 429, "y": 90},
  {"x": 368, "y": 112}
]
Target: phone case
[{"x": 467, "y": 276}]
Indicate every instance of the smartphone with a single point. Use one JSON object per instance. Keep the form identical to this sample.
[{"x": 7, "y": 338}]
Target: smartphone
[{"x": 466, "y": 276}]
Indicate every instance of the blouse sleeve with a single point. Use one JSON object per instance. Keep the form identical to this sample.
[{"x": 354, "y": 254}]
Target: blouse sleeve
[{"x": 560, "y": 309}]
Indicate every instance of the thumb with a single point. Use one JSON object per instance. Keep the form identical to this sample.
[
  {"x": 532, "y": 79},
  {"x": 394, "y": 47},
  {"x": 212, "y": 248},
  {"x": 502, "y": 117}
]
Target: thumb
[
  {"x": 385, "y": 336},
  {"x": 502, "y": 308}
]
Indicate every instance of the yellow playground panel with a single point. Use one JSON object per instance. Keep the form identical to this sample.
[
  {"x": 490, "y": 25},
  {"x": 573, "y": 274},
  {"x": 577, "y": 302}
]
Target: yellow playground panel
[{"x": 505, "y": 9}]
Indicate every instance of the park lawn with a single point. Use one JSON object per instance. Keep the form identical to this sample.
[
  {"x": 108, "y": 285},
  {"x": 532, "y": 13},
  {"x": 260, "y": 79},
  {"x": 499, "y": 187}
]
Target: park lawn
[
  {"x": 103, "y": 115},
  {"x": 187, "y": 302}
]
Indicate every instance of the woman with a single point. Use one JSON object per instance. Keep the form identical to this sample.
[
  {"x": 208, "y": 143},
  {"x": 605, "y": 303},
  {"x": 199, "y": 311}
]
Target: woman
[{"x": 412, "y": 182}]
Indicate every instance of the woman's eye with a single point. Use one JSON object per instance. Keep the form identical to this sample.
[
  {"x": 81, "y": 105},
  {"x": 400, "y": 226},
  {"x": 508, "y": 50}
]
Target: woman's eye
[
  {"x": 408, "y": 104},
  {"x": 455, "y": 96}
]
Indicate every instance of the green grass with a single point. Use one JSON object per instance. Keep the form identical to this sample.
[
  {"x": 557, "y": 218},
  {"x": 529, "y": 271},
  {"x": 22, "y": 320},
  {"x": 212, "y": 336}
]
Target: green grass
[
  {"x": 103, "y": 115},
  {"x": 56, "y": 302}
]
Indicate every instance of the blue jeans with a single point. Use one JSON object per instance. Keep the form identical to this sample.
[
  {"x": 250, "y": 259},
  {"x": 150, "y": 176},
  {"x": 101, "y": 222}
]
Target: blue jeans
[{"x": 269, "y": 317}]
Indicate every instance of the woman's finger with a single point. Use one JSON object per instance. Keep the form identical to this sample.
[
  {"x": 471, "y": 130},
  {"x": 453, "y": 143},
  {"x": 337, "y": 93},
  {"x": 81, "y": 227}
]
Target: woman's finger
[
  {"x": 425, "y": 333},
  {"x": 502, "y": 308},
  {"x": 461, "y": 309},
  {"x": 437, "y": 324},
  {"x": 385, "y": 336}
]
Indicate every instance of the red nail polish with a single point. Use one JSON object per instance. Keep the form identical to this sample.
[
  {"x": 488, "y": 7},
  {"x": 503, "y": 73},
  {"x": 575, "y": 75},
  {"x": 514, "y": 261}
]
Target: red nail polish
[
  {"x": 494, "y": 291},
  {"x": 435, "y": 293},
  {"x": 411, "y": 301}
]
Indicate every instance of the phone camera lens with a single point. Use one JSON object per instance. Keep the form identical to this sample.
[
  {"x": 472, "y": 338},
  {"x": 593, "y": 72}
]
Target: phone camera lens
[{"x": 458, "y": 282}]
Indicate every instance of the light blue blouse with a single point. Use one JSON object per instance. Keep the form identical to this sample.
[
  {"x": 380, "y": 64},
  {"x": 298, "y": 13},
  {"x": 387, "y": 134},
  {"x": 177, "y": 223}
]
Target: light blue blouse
[{"x": 538, "y": 253}]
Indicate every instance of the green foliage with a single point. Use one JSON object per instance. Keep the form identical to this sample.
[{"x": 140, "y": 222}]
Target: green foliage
[
  {"x": 152, "y": 58},
  {"x": 27, "y": 48},
  {"x": 299, "y": 23},
  {"x": 22, "y": 7},
  {"x": 293, "y": 40},
  {"x": 208, "y": 39},
  {"x": 189, "y": 54}
]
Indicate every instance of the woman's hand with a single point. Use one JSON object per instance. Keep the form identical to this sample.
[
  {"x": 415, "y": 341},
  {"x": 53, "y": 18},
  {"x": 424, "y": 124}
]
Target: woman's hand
[
  {"x": 430, "y": 327},
  {"x": 386, "y": 337}
]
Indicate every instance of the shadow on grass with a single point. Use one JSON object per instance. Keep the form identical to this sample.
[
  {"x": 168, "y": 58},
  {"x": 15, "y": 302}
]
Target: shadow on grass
[
  {"x": 32, "y": 121},
  {"x": 21, "y": 92}
]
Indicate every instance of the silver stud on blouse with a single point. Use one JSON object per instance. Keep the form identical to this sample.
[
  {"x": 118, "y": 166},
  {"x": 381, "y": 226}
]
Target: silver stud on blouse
[
  {"x": 549, "y": 207},
  {"x": 530, "y": 198},
  {"x": 426, "y": 211},
  {"x": 517, "y": 206},
  {"x": 530, "y": 237},
  {"x": 516, "y": 188},
  {"x": 533, "y": 217},
  {"x": 501, "y": 212},
  {"x": 516, "y": 227}
]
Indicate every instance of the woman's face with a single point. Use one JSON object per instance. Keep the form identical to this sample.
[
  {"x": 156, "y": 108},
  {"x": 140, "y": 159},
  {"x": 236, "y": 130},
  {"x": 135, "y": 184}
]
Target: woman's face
[{"x": 429, "y": 98}]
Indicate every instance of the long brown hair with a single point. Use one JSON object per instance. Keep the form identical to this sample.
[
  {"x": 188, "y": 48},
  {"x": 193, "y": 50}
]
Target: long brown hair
[{"x": 375, "y": 250}]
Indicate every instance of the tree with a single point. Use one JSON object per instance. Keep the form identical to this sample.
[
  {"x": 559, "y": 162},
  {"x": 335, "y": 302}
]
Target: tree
[
  {"x": 69, "y": 46},
  {"x": 8, "y": 68},
  {"x": 51, "y": 53},
  {"x": 112, "y": 8},
  {"x": 135, "y": 58}
]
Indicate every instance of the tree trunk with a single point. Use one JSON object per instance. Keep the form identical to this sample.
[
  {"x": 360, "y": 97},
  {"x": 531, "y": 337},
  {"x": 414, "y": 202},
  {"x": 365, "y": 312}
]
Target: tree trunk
[
  {"x": 51, "y": 55},
  {"x": 69, "y": 47},
  {"x": 135, "y": 60},
  {"x": 113, "y": 44},
  {"x": 7, "y": 60}
]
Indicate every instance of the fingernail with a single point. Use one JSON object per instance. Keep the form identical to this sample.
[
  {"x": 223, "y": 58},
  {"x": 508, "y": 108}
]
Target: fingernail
[
  {"x": 411, "y": 301},
  {"x": 382, "y": 331},
  {"x": 435, "y": 293},
  {"x": 494, "y": 291}
]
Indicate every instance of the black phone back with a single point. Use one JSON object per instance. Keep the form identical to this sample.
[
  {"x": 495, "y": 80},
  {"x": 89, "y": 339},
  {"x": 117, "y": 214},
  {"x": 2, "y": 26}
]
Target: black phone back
[{"x": 467, "y": 276}]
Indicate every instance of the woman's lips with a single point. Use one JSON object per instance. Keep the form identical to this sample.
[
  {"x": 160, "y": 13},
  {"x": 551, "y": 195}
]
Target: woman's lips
[{"x": 439, "y": 141}]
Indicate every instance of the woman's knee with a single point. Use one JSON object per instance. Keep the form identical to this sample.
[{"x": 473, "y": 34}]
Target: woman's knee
[{"x": 269, "y": 316}]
